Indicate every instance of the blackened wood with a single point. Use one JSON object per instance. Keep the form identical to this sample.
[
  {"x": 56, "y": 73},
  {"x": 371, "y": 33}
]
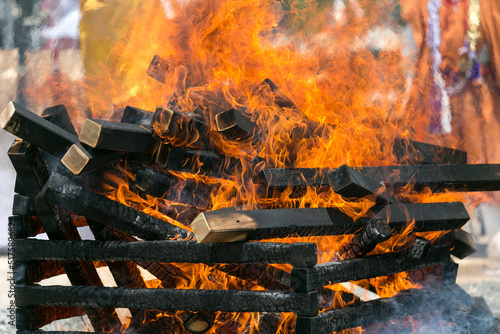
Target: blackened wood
[
  {"x": 350, "y": 183},
  {"x": 80, "y": 158},
  {"x": 229, "y": 226},
  {"x": 18, "y": 187},
  {"x": 481, "y": 177},
  {"x": 35, "y": 271},
  {"x": 190, "y": 161},
  {"x": 185, "y": 130},
  {"x": 22, "y": 205},
  {"x": 59, "y": 116},
  {"x": 364, "y": 241},
  {"x": 62, "y": 332},
  {"x": 410, "y": 152},
  {"x": 426, "y": 217},
  {"x": 137, "y": 116},
  {"x": 198, "y": 322},
  {"x": 108, "y": 135},
  {"x": 268, "y": 277},
  {"x": 297, "y": 254},
  {"x": 63, "y": 191},
  {"x": 34, "y": 129},
  {"x": 33, "y": 173},
  {"x": 39, "y": 316},
  {"x": 364, "y": 267},
  {"x": 462, "y": 243},
  {"x": 405, "y": 303},
  {"x": 235, "y": 124},
  {"x": 25, "y": 226},
  {"x": 270, "y": 91},
  {"x": 158, "y": 69},
  {"x": 169, "y": 299}
]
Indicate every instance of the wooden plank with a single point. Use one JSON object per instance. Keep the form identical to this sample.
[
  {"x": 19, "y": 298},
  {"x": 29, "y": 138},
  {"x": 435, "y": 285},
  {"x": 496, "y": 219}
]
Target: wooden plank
[
  {"x": 158, "y": 69},
  {"x": 408, "y": 302},
  {"x": 462, "y": 243},
  {"x": 137, "y": 116},
  {"x": 59, "y": 116},
  {"x": 230, "y": 226},
  {"x": 307, "y": 279},
  {"x": 410, "y": 152},
  {"x": 480, "y": 177},
  {"x": 80, "y": 158},
  {"x": 65, "y": 192},
  {"x": 235, "y": 124},
  {"x": 35, "y": 129},
  {"x": 22, "y": 205},
  {"x": 169, "y": 299},
  {"x": 297, "y": 254},
  {"x": 117, "y": 136},
  {"x": 350, "y": 183}
]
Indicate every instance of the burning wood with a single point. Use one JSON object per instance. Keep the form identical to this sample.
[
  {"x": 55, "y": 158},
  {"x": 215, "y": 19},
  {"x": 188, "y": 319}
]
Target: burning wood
[
  {"x": 117, "y": 136},
  {"x": 234, "y": 124},
  {"x": 59, "y": 116},
  {"x": 410, "y": 152},
  {"x": 158, "y": 69},
  {"x": 39, "y": 316},
  {"x": 462, "y": 243},
  {"x": 170, "y": 299},
  {"x": 35, "y": 129},
  {"x": 81, "y": 158}
]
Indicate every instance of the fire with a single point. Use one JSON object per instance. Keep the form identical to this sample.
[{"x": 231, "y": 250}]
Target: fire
[{"x": 218, "y": 52}]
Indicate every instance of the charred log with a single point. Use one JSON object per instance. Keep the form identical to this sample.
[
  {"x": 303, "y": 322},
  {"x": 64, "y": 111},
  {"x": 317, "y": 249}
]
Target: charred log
[
  {"x": 158, "y": 69},
  {"x": 59, "y": 116},
  {"x": 411, "y": 152},
  {"x": 137, "y": 116},
  {"x": 39, "y": 316}
]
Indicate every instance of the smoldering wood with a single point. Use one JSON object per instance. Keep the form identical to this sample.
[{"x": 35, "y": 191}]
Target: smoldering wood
[
  {"x": 425, "y": 217},
  {"x": 80, "y": 158},
  {"x": 349, "y": 183},
  {"x": 303, "y": 279},
  {"x": 268, "y": 277},
  {"x": 297, "y": 254},
  {"x": 439, "y": 178},
  {"x": 35, "y": 129},
  {"x": 364, "y": 241},
  {"x": 408, "y": 302},
  {"x": 61, "y": 332},
  {"x": 22, "y": 205},
  {"x": 198, "y": 322},
  {"x": 164, "y": 325},
  {"x": 158, "y": 69},
  {"x": 462, "y": 243},
  {"x": 184, "y": 130},
  {"x": 33, "y": 173},
  {"x": 410, "y": 152},
  {"x": 25, "y": 226},
  {"x": 169, "y": 299},
  {"x": 235, "y": 124},
  {"x": 59, "y": 116},
  {"x": 35, "y": 271},
  {"x": 229, "y": 226},
  {"x": 116, "y": 136},
  {"x": 137, "y": 116},
  {"x": 65, "y": 192},
  {"x": 39, "y": 316}
]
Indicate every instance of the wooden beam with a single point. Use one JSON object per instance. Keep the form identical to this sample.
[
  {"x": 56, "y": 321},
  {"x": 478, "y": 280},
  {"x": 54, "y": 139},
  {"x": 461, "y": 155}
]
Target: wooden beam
[
  {"x": 117, "y": 136},
  {"x": 235, "y": 124},
  {"x": 137, "y": 116},
  {"x": 169, "y": 299},
  {"x": 158, "y": 69},
  {"x": 410, "y": 152},
  {"x": 297, "y": 254},
  {"x": 59, "y": 116},
  {"x": 26, "y": 125},
  {"x": 229, "y": 226}
]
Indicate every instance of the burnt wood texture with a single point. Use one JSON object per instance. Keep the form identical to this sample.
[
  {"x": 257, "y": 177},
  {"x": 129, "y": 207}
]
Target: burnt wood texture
[
  {"x": 158, "y": 69},
  {"x": 480, "y": 177},
  {"x": 59, "y": 116},
  {"x": 80, "y": 158},
  {"x": 39, "y": 316},
  {"x": 410, "y": 152},
  {"x": 235, "y": 124},
  {"x": 63, "y": 191},
  {"x": 26, "y": 125},
  {"x": 169, "y": 299},
  {"x": 297, "y": 254},
  {"x": 137, "y": 116}
]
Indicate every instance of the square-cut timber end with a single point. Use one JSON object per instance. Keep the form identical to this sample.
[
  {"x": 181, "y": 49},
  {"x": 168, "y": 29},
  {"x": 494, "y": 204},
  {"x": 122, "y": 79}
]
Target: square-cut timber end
[{"x": 91, "y": 132}]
